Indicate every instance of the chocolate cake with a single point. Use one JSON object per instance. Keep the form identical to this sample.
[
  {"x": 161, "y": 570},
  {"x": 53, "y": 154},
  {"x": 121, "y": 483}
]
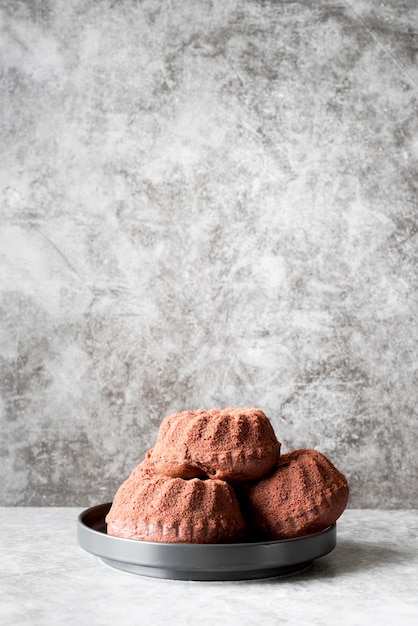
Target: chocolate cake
[
  {"x": 235, "y": 445},
  {"x": 217, "y": 477},
  {"x": 303, "y": 495},
  {"x": 151, "y": 507}
]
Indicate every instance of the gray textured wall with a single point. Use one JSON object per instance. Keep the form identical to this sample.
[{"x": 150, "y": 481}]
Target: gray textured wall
[{"x": 206, "y": 203}]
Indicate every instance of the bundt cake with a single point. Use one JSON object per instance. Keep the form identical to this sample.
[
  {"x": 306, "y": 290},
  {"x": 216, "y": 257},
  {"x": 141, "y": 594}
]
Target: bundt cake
[
  {"x": 235, "y": 445},
  {"x": 303, "y": 495},
  {"x": 152, "y": 507},
  {"x": 180, "y": 493}
]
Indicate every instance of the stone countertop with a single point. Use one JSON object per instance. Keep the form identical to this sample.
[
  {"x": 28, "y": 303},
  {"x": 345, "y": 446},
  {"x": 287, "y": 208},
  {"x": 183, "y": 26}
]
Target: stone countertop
[{"x": 371, "y": 577}]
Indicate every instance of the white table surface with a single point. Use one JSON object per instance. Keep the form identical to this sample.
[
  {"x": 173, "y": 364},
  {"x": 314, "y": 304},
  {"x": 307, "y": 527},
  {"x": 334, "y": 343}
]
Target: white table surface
[{"x": 371, "y": 577}]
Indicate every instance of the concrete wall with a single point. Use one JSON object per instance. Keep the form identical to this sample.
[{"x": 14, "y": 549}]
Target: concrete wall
[{"x": 206, "y": 204}]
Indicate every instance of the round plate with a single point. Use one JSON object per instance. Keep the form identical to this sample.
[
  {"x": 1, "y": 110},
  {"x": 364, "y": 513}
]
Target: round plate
[{"x": 186, "y": 561}]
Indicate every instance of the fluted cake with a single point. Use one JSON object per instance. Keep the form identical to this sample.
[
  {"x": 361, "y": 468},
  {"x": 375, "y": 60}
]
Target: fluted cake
[
  {"x": 151, "y": 507},
  {"x": 303, "y": 495},
  {"x": 217, "y": 476},
  {"x": 235, "y": 444}
]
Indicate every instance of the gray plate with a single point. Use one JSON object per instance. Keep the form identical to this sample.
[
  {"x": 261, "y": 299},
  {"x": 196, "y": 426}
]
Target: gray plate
[{"x": 186, "y": 561}]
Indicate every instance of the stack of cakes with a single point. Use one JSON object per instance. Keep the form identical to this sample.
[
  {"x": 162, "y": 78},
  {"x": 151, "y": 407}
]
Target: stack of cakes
[{"x": 217, "y": 476}]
